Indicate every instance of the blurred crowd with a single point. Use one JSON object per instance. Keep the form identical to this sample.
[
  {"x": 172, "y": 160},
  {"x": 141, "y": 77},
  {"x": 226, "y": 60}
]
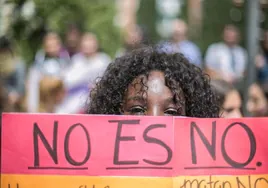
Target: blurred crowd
[{"x": 64, "y": 70}]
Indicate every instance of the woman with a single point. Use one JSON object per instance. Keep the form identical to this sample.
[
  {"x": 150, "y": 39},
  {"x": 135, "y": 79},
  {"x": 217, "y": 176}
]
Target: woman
[
  {"x": 257, "y": 104},
  {"x": 229, "y": 99},
  {"x": 52, "y": 60},
  {"x": 86, "y": 67},
  {"x": 12, "y": 73},
  {"x": 147, "y": 82}
]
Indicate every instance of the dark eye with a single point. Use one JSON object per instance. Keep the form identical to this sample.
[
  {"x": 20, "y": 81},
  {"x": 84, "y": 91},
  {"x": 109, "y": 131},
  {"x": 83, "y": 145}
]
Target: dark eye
[
  {"x": 137, "y": 110},
  {"x": 229, "y": 110},
  {"x": 171, "y": 112}
]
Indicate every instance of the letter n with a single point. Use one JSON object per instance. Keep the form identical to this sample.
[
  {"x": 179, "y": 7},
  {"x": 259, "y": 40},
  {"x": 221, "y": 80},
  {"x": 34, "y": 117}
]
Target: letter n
[
  {"x": 210, "y": 147},
  {"x": 51, "y": 150}
]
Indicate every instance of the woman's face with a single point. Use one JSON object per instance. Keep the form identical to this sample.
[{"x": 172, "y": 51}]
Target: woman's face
[
  {"x": 156, "y": 100},
  {"x": 232, "y": 105},
  {"x": 257, "y": 103},
  {"x": 52, "y": 45},
  {"x": 89, "y": 44}
]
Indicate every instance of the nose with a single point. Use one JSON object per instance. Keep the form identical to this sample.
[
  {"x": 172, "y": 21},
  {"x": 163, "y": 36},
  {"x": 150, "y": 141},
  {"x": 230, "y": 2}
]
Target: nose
[{"x": 155, "y": 111}]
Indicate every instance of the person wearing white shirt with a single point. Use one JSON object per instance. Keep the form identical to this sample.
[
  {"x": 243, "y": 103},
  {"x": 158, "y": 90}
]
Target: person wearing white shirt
[
  {"x": 181, "y": 44},
  {"x": 86, "y": 67},
  {"x": 227, "y": 60},
  {"x": 52, "y": 60}
]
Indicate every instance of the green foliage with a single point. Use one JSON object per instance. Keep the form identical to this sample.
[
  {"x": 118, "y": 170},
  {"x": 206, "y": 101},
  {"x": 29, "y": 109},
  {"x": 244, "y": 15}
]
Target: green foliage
[
  {"x": 215, "y": 15},
  {"x": 92, "y": 15}
]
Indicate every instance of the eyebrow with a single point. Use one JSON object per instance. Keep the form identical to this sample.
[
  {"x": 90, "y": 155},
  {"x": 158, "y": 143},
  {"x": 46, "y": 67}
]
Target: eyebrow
[
  {"x": 170, "y": 100},
  {"x": 141, "y": 99}
]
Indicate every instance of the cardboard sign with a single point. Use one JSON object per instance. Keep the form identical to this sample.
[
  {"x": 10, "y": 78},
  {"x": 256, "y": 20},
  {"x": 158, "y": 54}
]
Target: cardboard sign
[{"x": 84, "y": 151}]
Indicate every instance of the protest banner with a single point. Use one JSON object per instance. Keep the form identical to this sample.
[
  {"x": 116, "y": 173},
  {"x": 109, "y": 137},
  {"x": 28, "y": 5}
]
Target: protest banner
[{"x": 86, "y": 151}]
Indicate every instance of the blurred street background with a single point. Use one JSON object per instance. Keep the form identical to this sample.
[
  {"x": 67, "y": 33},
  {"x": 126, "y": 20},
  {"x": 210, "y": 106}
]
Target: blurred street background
[{"x": 52, "y": 51}]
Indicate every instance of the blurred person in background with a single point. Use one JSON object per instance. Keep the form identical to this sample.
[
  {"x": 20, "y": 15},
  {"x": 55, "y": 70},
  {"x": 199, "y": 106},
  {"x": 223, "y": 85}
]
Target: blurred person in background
[
  {"x": 52, "y": 60},
  {"x": 86, "y": 67},
  {"x": 72, "y": 39},
  {"x": 12, "y": 73},
  {"x": 89, "y": 59},
  {"x": 53, "y": 57},
  {"x": 262, "y": 61},
  {"x": 257, "y": 103},
  {"x": 180, "y": 43},
  {"x": 52, "y": 92},
  {"x": 229, "y": 99},
  {"x": 135, "y": 37},
  {"x": 227, "y": 60}
]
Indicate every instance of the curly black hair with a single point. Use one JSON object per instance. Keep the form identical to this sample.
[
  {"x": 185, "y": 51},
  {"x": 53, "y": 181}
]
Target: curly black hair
[{"x": 108, "y": 94}]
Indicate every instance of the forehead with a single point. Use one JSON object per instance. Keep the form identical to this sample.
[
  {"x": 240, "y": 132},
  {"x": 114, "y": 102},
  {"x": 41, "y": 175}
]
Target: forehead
[
  {"x": 153, "y": 85},
  {"x": 52, "y": 41},
  {"x": 152, "y": 79},
  {"x": 232, "y": 99},
  {"x": 231, "y": 30},
  {"x": 51, "y": 36}
]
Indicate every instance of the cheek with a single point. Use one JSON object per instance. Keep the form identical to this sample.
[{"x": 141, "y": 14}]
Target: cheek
[
  {"x": 262, "y": 106},
  {"x": 126, "y": 113},
  {"x": 250, "y": 106}
]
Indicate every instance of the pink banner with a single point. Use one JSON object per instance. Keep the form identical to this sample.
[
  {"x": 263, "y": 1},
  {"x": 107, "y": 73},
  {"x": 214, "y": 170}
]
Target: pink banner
[
  {"x": 132, "y": 145},
  {"x": 221, "y": 146}
]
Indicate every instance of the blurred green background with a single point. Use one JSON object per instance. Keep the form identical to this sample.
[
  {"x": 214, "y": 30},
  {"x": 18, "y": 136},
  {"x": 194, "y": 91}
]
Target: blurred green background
[
  {"x": 98, "y": 16},
  {"x": 55, "y": 15}
]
